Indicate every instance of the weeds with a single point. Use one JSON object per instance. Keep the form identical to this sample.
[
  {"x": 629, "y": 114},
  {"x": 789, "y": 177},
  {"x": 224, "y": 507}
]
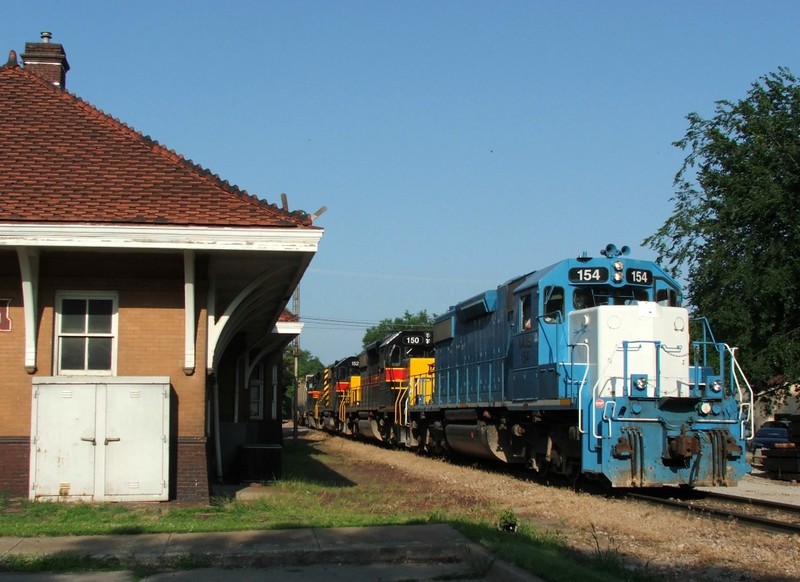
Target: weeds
[
  {"x": 508, "y": 521},
  {"x": 609, "y": 558}
]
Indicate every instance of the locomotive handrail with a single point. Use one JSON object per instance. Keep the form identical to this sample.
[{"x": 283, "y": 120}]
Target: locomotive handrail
[
  {"x": 596, "y": 393},
  {"x": 563, "y": 367},
  {"x": 742, "y": 404},
  {"x": 745, "y": 403},
  {"x": 628, "y": 346},
  {"x": 707, "y": 332},
  {"x": 745, "y": 399},
  {"x": 400, "y": 411},
  {"x": 343, "y": 402},
  {"x": 418, "y": 395},
  {"x": 557, "y": 320},
  {"x": 583, "y": 380},
  {"x": 623, "y": 347},
  {"x": 638, "y": 344},
  {"x": 608, "y": 417}
]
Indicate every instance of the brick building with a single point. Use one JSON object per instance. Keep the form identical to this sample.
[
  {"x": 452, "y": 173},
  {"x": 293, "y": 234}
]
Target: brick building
[{"x": 142, "y": 303}]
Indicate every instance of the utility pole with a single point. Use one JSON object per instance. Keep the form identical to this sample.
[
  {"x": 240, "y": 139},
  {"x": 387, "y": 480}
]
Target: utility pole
[{"x": 296, "y": 309}]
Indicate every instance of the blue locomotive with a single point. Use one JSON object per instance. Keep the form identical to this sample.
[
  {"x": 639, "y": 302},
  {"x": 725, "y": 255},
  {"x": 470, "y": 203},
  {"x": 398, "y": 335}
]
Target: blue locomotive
[{"x": 589, "y": 367}]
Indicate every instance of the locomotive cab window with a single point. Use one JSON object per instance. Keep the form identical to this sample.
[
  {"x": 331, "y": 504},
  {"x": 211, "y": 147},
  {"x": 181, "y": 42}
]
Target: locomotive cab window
[
  {"x": 525, "y": 313},
  {"x": 394, "y": 356},
  {"x": 667, "y": 297},
  {"x": 553, "y": 304},
  {"x": 582, "y": 298},
  {"x": 630, "y": 296}
]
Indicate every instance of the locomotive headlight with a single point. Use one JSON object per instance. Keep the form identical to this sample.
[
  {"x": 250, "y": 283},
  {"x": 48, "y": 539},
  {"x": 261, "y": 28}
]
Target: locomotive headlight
[
  {"x": 618, "y": 266},
  {"x": 617, "y": 277},
  {"x": 639, "y": 381},
  {"x": 704, "y": 408},
  {"x": 716, "y": 386}
]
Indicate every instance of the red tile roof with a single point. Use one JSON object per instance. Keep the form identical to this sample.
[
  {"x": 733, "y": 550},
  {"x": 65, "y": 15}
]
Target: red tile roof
[
  {"x": 65, "y": 161},
  {"x": 287, "y": 316}
]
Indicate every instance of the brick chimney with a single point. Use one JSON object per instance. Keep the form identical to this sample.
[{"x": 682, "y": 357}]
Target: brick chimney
[{"x": 47, "y": 59}]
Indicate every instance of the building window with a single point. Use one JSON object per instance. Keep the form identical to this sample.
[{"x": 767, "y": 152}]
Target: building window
[
  {"x": 256, "y": 388},
  {"x": 86, "y": 333}
]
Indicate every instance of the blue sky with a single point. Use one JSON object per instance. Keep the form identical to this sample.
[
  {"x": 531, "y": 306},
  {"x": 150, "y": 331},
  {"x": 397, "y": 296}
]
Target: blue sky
[{"x": 455, "y": 144}]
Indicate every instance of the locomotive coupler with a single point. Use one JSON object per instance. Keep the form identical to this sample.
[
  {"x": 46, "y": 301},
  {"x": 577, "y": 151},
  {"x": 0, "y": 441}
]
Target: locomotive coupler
[
  {"x": 683, "y": 447},
  {"x": 732, "y": 448},
  {"x": 623, "y": 449}
]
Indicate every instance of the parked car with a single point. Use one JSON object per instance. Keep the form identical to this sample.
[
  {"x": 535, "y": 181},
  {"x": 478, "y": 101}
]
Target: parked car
[
  {"x": 768, "y": 436},
  {"x": 778, "y": 423}
]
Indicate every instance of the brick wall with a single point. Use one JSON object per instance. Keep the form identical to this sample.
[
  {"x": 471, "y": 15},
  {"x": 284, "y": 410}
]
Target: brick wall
[
  {"x": 150, "y": 343},
  {"x": 15, "y": 466},
  {"x": 188, "y": 474},
  {"x": 191, "y": 468}
]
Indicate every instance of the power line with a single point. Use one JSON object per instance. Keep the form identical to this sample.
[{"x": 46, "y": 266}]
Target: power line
[
  {"x": 333, "y": 323},
  {"x": 324, "y": 323}
]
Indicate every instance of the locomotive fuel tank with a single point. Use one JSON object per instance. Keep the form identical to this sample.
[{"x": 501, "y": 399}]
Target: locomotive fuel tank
[
  {"x": 479, "y": 440},
  {"x": 368, "y": 428}
]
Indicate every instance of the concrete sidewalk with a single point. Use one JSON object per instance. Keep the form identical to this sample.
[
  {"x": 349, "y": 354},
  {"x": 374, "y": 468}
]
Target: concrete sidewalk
[{"x": 409, "y": 552}]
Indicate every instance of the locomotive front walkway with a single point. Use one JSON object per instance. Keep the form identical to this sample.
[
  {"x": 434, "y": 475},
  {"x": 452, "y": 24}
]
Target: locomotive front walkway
[{"x": 387, "y": 553}]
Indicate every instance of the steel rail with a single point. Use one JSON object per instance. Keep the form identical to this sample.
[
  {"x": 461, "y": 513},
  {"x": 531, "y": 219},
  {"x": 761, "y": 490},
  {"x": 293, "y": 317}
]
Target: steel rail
[{"x": 760, "y": 522}]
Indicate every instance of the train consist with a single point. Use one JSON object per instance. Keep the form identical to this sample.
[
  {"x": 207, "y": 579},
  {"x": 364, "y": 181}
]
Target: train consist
[{"x": 589, "y": 367}]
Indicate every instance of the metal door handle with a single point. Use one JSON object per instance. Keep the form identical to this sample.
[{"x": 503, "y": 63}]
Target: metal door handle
[
  {"x": 90, "y": 440},
  {"x": 111, "y": 440}
]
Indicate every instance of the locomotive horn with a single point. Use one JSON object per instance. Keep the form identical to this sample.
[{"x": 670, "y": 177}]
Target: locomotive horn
[
  {"x": 612, "y": 251},
  {"x": 609, "y": 251}
]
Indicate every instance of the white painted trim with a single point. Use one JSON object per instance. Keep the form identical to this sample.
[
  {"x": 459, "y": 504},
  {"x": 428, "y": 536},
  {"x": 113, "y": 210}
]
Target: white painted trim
[
  {"x": 288, "y": 327},
  {"x": 188, "y": 312},
  {"x": 212, "y": 332},
  {"x": 217, "y": 443},
  {"x": 29, "y": 270},
  {"x": 274, "y": 411},
  {"x": 238, "y": 386},
  {"x": 216, "y": 328},
  {"x": 250, "y": 365},
  {"x": 160, "y": 237}
]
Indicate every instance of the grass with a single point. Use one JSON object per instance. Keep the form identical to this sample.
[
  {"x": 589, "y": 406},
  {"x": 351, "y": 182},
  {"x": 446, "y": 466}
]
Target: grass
[{"x": 310, "y": 493}]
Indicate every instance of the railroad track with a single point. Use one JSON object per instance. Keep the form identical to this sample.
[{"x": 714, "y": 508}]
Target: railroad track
[{"x": 758, "y": 513}]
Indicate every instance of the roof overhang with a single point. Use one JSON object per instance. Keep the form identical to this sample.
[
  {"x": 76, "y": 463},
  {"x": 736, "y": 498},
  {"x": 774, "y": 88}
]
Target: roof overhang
[{"x": 252, "y": 272}]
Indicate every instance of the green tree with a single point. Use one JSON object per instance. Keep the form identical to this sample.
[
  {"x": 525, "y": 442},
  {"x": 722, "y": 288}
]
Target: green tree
[
  {"x": 735, "y": 230},
  {"x": 409, "y": 321},
  {"x": 306, "y": 364}
]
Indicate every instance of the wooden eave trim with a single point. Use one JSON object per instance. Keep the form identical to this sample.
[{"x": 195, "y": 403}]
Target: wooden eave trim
[
  {"x": 160, "y": 237},
  {"x": 288, "y": 328}
]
